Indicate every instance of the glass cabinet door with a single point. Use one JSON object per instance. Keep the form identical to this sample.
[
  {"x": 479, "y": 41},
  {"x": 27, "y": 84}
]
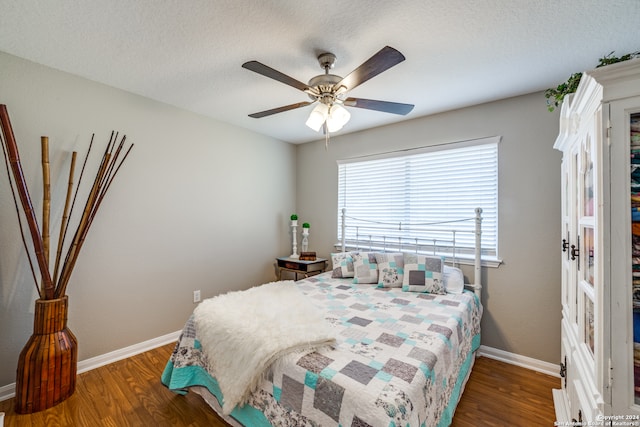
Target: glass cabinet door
[
  {"x": 634, "y": 137},
  {"x": 569, "y": 233},
  {"x": 625, "y": 257},
  {"x": 587, "y": 282}
]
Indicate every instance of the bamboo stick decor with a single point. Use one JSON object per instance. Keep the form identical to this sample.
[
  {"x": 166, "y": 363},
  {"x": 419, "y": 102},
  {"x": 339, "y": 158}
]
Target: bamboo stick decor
[
  {"x": 46, "y": 372},
  {"x": 55, "y": 285},
  {"x": 10, "y": 147},
  {"x": 65, "y": 216},
  {"x": 46, "y": 195}
]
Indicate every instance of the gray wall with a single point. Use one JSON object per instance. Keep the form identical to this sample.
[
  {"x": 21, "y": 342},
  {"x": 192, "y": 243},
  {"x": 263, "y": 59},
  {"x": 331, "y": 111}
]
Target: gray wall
[
  {"x": 521, "y": 298},
  {"x": 204, "y": 205},
  {"x": 198, "y": 205}
]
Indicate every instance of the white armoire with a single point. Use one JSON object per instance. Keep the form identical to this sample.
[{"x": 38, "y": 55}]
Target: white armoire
[{"x": 600, "y": 351}]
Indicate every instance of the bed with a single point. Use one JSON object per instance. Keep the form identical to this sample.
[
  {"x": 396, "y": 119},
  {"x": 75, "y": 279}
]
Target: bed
[{"x": 401, "y": 356}]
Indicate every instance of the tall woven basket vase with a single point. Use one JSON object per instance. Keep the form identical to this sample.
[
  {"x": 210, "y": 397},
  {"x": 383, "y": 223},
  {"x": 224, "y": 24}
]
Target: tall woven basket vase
[{"x": 47, "y": 365}]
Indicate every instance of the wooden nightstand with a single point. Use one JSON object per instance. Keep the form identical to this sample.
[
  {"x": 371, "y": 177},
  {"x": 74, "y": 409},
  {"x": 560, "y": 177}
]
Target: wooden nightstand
[{"x": 297, "y": 266}]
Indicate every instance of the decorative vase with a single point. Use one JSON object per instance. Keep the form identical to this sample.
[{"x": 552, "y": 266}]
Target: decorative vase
[
  {"x": 305, "y": 239},
  {"x": 48, "y": 362},
  {"x": 294, "y": 252}
]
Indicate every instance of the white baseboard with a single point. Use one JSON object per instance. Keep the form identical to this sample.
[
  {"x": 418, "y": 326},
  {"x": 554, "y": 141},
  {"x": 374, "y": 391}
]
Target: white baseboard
[
  {"x": 123, "y": 353},
  {"x": 518, "y": 360},
  {"x": 9, "y": 390}
]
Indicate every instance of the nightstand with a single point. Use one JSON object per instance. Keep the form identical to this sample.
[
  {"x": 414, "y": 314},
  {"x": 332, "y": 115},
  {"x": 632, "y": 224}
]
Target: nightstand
[{"x": 297, "y": 266}]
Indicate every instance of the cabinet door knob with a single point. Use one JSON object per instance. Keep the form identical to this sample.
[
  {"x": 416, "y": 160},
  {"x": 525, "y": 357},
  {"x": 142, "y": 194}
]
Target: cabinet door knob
[
  {"x": 565, "y": 245},
  {"x": 575, "y": 252}
]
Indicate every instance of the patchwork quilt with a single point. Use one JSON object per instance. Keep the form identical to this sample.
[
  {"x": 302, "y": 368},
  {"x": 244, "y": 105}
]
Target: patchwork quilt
[{"x": 400, "y": 360}]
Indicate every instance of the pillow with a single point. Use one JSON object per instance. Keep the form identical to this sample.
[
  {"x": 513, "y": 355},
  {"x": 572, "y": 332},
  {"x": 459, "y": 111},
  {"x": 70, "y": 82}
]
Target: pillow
[
  {"x": 453, "y": 280},
  {"x": 365, "y": 267},
  {"x": 342, "y": 264},
  {"x": 423, "y": 273},
  {"x": 390, "y": 269}
]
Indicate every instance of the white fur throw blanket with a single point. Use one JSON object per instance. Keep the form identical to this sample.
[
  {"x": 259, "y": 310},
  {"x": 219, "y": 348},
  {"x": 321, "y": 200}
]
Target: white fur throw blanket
[{"x": 244, "y": 332}]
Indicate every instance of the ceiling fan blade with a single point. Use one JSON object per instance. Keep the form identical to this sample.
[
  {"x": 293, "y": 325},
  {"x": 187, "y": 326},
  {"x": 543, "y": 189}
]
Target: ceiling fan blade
[
  {"x": 266, "y": 71},
  {"x": 279, "y": 110},
  {"x": 384, "y": 106},
  {"x": 386, "y": 58}
]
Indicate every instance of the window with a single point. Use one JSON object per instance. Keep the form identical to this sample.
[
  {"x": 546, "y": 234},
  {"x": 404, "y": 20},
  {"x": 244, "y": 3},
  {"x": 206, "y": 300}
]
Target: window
[{"x": 418, "y": 190}]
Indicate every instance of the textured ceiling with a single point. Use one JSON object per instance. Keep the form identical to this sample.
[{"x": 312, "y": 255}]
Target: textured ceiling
[{"x": 189, "y": 53}]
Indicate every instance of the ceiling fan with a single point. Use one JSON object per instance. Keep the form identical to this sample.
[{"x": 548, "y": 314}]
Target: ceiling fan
[{"x": 329, "y": 90}]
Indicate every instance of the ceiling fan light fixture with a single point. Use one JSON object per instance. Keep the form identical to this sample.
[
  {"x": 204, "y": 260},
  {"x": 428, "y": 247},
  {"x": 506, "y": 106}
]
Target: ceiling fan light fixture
[
  {"x": 338, "y": 117},
  {"x": 329, "y": 90},
  {"x": 318, "y": 116}
]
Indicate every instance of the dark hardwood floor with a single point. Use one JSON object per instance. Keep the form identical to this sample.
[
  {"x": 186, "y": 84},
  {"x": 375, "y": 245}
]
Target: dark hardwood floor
[
  {"x": 129, "y": 393},
  {"x": 501, "y": 394}
]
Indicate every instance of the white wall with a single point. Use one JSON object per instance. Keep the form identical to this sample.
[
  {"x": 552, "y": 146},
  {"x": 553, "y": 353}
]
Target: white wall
[
  {"x": 199, "y": 204},
  {"x": 521, "y": 298}
]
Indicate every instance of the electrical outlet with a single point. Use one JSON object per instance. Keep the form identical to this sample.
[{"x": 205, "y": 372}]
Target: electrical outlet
[{"x": 196, "y": 296}]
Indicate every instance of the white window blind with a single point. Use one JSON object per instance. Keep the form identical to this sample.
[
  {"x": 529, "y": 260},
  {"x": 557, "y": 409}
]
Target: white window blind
[{"x": 422, "y": 191}]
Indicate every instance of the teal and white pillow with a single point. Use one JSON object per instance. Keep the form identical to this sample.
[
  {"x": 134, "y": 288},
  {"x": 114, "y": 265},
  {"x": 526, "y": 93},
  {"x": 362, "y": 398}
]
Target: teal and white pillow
[
  {"x": 365, "y": 267},
  {"x": 423, "y": 273},
  {"x": 342, "y": 264},
  {"x": 390, "y": 269}
]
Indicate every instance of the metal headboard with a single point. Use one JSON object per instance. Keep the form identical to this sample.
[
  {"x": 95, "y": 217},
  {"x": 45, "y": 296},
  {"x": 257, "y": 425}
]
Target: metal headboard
[{"x": 386, "y": 237}]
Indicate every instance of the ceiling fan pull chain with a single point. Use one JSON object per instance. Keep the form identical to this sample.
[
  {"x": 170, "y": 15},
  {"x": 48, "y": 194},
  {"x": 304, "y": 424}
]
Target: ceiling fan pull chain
[{"x": 326, "y": 137}]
